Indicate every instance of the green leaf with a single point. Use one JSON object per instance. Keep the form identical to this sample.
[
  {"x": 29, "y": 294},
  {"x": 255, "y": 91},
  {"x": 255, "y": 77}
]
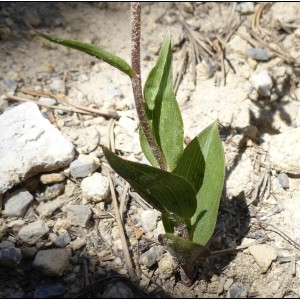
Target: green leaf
[
  {"x": 203, "y": 164},
  {"x": 171, "y": 194},
  {"x": 162, "y": 110},
  {"x": 92, "y": 50}
]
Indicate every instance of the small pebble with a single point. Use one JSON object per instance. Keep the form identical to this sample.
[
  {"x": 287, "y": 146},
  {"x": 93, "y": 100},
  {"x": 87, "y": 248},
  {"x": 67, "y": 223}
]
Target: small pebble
[
  {"x": 62, "y": 240},
  {"x": 95, "y": 188},
  {"x": 78, "y": 243},
  {"x": 246, "y": 7},
  {"x": 262, "y": 83},
  {"x": 283, "y": 180},
  {"x": 250, "y": 132},
  {"x": 17, "y": 203},
  {"x": 84, "y": 166},
  {"x": 78, "y": 215},
  {"x": 47, "y": 101},
  {"x": 167, "y": 266},
  {"x": 151, "y": 256},
  {"x": 238, "y": 290},
  {"x": 258, "y": 54},
  {"x": 32, "y": 232},
  {"x": 52, "y": 262},
  {"x": 149, "y": 219},
  {"x": 9, "y": 255},
  {"x": 52, "y": 178}
]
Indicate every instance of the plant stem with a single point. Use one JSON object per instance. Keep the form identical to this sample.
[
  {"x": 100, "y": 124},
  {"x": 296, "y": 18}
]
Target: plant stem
[{"x": 137, "y": 84}]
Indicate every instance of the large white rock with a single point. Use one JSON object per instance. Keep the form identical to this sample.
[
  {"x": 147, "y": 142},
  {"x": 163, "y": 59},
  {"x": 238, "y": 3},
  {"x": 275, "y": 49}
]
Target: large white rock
[
  {"x": 29, "y": 144},
  {"x": 284, "y": 151}
]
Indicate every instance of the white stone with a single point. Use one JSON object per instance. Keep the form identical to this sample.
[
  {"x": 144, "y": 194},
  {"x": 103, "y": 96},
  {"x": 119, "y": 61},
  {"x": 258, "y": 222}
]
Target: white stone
[
  {"x": 149, "y": 219},
  {"x": 263, "y": 255},
  {"x": 47, "y": 101},
  {"x": 78, "y": 243},
  {"x": 84, "y": 166},
  {"x": 95, "y": 188},
  {"x": 262, "y": 82},
  {"x": 17, "y": 203},
  {"x": 128, "y": 124},
  {"x": 167, "y": 265},
  {"x": 32, "y": 232},
  {"x": 29, "y": 144},
  {"x": 78, "y": 215},
  {"x": 284, "y": 151},
  {"x": 52, "y": 262}
]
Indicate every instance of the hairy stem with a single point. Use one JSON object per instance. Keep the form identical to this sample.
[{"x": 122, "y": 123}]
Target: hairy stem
[{"x": 137, "y": 84}]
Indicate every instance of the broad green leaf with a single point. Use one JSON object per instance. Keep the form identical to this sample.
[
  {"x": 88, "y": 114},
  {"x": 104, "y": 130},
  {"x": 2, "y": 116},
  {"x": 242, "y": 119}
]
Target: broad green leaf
[
  {"x": 171, "y": 194},
  {"x": 203, "y": 164},
  {"x": 92, "y": 50},
  {"x": 188, "y": 254},
  {"x": 162, "y": 110}
]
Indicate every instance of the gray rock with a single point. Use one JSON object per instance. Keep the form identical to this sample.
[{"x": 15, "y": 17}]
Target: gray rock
[
  {"x": 258, "y": 54},
  {"x": 17, "y": 203},
  {"x": 62, "y": 240},
  {"x": 51, "y": 290},
  {"x": 95, "y": 188},
  {"x": 151, "y": 256},
  {"x": 283, "y": 180},
  {"x": 284, "y": 151},
  {"x": 118, "y": 290},
  {"x": 32, "y": 232},
  {"x": 11, "y": 85},
  {"x": 52, "y": 262},
  {"x": 263, "y": 255},
  {"x": 9, "y": 255},
  {"x": 28, "y": 252},
  {"x": 78, "y": 215},
  {"x": 238, "y": 290},
  {"x": 46, "y": 209},
  {"x": 149, "y": 219},
  {"x": 84, "y": 166},
  {"x": 29, "y": 144}
]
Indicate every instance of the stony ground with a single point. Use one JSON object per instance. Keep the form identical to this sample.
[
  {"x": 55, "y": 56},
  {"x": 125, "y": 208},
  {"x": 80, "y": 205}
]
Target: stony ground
[{"x": 58, "y": 230}]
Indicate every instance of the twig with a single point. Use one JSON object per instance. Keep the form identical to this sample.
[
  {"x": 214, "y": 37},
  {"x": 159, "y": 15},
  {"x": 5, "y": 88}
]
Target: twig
[
  {"x": 230, "y": 250},
  {"x": 131, "y": 270},
  {"x": 123, "y": 199},
  {"x": 15, "y": 98},
  {"x": 85, "y": 269},
  {"x": 281, "y": 233},
  {"x": 84, "y": 109},
  {"x": 111, "y": 140},
  {"x": 255, "y": 24},
  {"x": 181, "y": 68},
  {"x": 137, "y": 84}
]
